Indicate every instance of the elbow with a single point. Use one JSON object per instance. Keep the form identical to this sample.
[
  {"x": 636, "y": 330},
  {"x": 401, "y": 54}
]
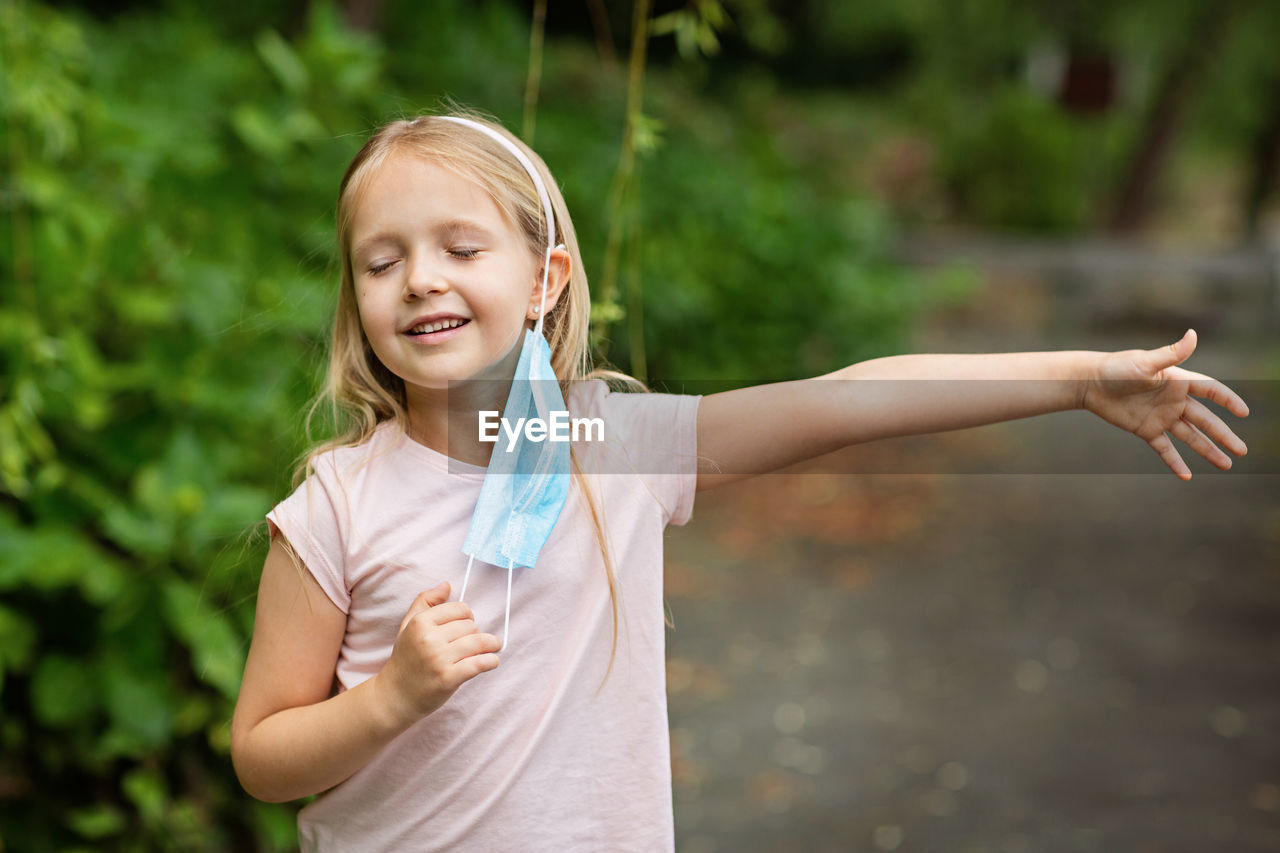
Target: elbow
[
  {"x": 249, "y": 769},
  {"x": 268, "y": 797},
  {"x": 251, "y": 788},
  {"x": 255, "y": 786},
  {"x": 246, "y": 776}
]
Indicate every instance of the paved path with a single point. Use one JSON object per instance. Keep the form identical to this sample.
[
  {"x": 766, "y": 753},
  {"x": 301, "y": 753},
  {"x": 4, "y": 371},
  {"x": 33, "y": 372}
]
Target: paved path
[{"x": 1035, "y": 661}]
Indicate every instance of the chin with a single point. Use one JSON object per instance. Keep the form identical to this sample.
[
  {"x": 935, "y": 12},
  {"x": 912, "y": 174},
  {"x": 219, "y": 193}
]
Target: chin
[
  {"x": 431, "y": 383},
  {"x": 445, "y": 380}
]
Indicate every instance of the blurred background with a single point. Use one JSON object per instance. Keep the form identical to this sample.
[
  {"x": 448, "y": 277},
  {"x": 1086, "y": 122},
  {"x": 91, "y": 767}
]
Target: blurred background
[{"x": 1019, "y": 638}]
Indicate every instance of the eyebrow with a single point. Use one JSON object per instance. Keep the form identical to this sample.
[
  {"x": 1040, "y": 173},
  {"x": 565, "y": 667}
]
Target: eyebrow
[{"x": 448, "y": 226}]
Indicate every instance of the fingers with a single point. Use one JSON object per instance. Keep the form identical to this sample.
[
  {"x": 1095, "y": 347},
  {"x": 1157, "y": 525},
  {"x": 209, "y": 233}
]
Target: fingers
[
  {"x": 449, "y": 612},
  {"x": 451, "y": 624},
  {"x": 425, "y": 600},
  {"x": 461, "y": 639},
  {"x": 1198, "y": 428},
  {"x": 461, "y": 653},
  {"x": 1208, "y": 388},
  {"x": 474, "y": 644},
  {"x": 1164, "y": 447},
  {"x": 1200, "y": 385},
  {"x": 1197, "y": 441},
  {"x": 1203, "y": 419},
  {"x": 469, "y": 668},
  {"x": 451, "y": 632}
]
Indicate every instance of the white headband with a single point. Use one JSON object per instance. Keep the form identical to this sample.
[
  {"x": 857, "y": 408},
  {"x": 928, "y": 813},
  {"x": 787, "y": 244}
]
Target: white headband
[{"x": 542, "y": 196}]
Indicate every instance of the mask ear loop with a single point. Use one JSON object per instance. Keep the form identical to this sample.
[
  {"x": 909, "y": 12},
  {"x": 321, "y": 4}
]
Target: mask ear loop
[
  {"x": 542, "y": 302},
  {"x": 506, "y": 622},
  {"x": 466, "y": 578}
]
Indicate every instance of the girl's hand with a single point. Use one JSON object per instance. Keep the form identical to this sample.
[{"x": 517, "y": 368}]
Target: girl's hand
[
  {"x": 437, "y": 649},
  {"x": 1143, "y": 392}
]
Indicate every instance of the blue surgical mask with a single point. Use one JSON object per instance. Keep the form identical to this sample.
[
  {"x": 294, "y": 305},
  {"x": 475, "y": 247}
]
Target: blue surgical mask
[{"x": 527, "y": 482}]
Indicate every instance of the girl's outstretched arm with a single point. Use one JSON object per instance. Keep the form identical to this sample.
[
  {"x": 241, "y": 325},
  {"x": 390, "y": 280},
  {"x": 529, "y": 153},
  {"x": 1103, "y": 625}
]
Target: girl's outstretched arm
[
  {"x": 755, "y": 430},
  {"x": 289, "y": 737}
]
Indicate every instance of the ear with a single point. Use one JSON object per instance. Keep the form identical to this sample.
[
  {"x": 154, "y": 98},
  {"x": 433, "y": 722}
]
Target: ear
[{"x": 559, "y": 268}]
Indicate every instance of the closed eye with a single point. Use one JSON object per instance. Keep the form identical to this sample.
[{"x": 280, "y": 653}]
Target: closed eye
[
  {"x": 465, "y": 253},
  {"x": 378, "y": 269}
]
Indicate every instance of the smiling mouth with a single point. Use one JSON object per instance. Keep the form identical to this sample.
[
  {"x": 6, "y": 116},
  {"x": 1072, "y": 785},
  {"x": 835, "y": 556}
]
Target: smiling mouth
[{"x": 432, "y": 328}]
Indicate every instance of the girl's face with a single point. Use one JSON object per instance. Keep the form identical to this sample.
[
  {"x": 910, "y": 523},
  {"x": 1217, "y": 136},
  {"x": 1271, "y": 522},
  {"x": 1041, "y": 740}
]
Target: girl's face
[{"x": 443, "y": 281}]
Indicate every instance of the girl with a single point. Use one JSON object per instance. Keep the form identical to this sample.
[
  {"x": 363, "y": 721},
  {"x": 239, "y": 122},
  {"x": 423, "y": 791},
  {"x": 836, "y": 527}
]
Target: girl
[{"x": 371, "y": 683}]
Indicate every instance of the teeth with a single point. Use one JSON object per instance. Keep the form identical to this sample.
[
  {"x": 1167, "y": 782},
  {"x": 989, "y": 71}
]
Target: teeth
[{"x": 436, "y": 327}]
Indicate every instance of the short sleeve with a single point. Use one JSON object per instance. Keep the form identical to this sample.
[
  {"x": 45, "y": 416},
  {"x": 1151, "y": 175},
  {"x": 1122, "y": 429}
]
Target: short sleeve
[
  {"x": 654, "y": 436},
  {"x": 315, "y": 519}
]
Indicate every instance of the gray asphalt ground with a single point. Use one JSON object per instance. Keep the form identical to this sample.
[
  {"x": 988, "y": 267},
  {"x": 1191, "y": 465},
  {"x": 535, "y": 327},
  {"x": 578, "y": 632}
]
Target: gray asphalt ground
[{"x": 1075, "y": 653}]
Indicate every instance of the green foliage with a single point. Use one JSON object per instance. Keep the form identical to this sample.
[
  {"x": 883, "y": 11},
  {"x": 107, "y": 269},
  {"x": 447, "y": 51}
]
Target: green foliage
[
  {"x": 1017, "y": 161},
  {"x": 748, "y": 262},
  {"x": 168, "y": 207},
  {"x": 693, "y": 27}
]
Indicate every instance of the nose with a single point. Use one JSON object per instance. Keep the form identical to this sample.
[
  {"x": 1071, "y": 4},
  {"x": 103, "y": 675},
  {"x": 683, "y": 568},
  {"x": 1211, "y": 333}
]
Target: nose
[{"x": 424, "y": 277}]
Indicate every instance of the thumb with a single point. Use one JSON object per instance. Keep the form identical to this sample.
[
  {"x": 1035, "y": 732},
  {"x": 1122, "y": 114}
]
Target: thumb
[
  {"x": 438, "y": 594},
  {"x": 1174, "y": 353},
  {"x": 425, "y": 600}
]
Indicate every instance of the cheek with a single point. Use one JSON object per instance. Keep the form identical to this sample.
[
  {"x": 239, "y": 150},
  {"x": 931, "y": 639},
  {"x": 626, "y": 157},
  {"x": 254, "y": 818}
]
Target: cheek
[
  {"x": 368, "y": 305},
  {"x": 373, "y": 324}
]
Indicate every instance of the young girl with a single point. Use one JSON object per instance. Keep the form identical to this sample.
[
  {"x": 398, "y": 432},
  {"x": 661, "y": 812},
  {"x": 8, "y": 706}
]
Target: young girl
[{"x": 532, "y": 716}]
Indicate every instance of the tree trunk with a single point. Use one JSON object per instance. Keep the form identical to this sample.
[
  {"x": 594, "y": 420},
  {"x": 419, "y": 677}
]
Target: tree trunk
[
  {"x": 1266, "y": 162},
  {"x": 1174, "y": 95},
  {"x": 363, "y": 15}
]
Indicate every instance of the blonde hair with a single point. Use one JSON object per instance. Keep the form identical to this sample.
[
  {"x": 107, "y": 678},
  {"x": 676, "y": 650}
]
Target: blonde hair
[{"x": 361, "y": 392}]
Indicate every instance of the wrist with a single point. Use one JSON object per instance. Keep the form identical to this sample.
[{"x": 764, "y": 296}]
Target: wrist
[
  {"x": 1085, "y": 374},
  {"x": 391, "y": 713}
]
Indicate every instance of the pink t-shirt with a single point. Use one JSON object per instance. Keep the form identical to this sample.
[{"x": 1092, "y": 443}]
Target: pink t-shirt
[{"x": 543, "y": 753}]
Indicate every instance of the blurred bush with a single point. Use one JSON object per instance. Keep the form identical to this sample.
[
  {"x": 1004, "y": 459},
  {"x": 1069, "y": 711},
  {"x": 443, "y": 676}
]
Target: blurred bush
[
  {"x": 169, "y": 197},
  {"x": 166, "y": 196},
  {"x": 1017, "y": 161}
]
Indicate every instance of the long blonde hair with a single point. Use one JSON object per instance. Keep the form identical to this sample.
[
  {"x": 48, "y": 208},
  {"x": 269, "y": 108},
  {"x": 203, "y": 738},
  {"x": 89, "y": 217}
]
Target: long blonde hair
[{"x": 361, "y": 392}]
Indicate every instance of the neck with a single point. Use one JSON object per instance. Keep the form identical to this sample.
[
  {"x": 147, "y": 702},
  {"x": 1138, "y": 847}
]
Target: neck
[{"x": 447, "y": 420}]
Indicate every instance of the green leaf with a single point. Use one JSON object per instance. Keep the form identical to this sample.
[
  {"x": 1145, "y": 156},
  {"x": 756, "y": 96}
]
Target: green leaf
[
  {"x": 17, "y": 637},
  {"x": 147, "y": 791},
  {"x": 62, "y": 691},
  {"x": 54, "y": 557},
  {"x": 713, "y": 13},
  {"x": 229, "y": 511},
  {"x": 258, "y": 131},
  {"x": 143, "y": 534},
  {"x": 43, "y": 185},
  {"x": 282, "y": 61},
  {"x": 666, "y": 24},
  {"x": 98, "y": 821},
  {"x": 192, "y": 712},
  {"x": 648, "y": 133},
  {"x": 139, "y": 703},
  {"x": 217, "y": 651}
]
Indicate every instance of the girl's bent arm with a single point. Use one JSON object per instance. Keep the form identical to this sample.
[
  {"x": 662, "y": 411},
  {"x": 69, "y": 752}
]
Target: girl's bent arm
[{"x": 289, "y": 739}]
